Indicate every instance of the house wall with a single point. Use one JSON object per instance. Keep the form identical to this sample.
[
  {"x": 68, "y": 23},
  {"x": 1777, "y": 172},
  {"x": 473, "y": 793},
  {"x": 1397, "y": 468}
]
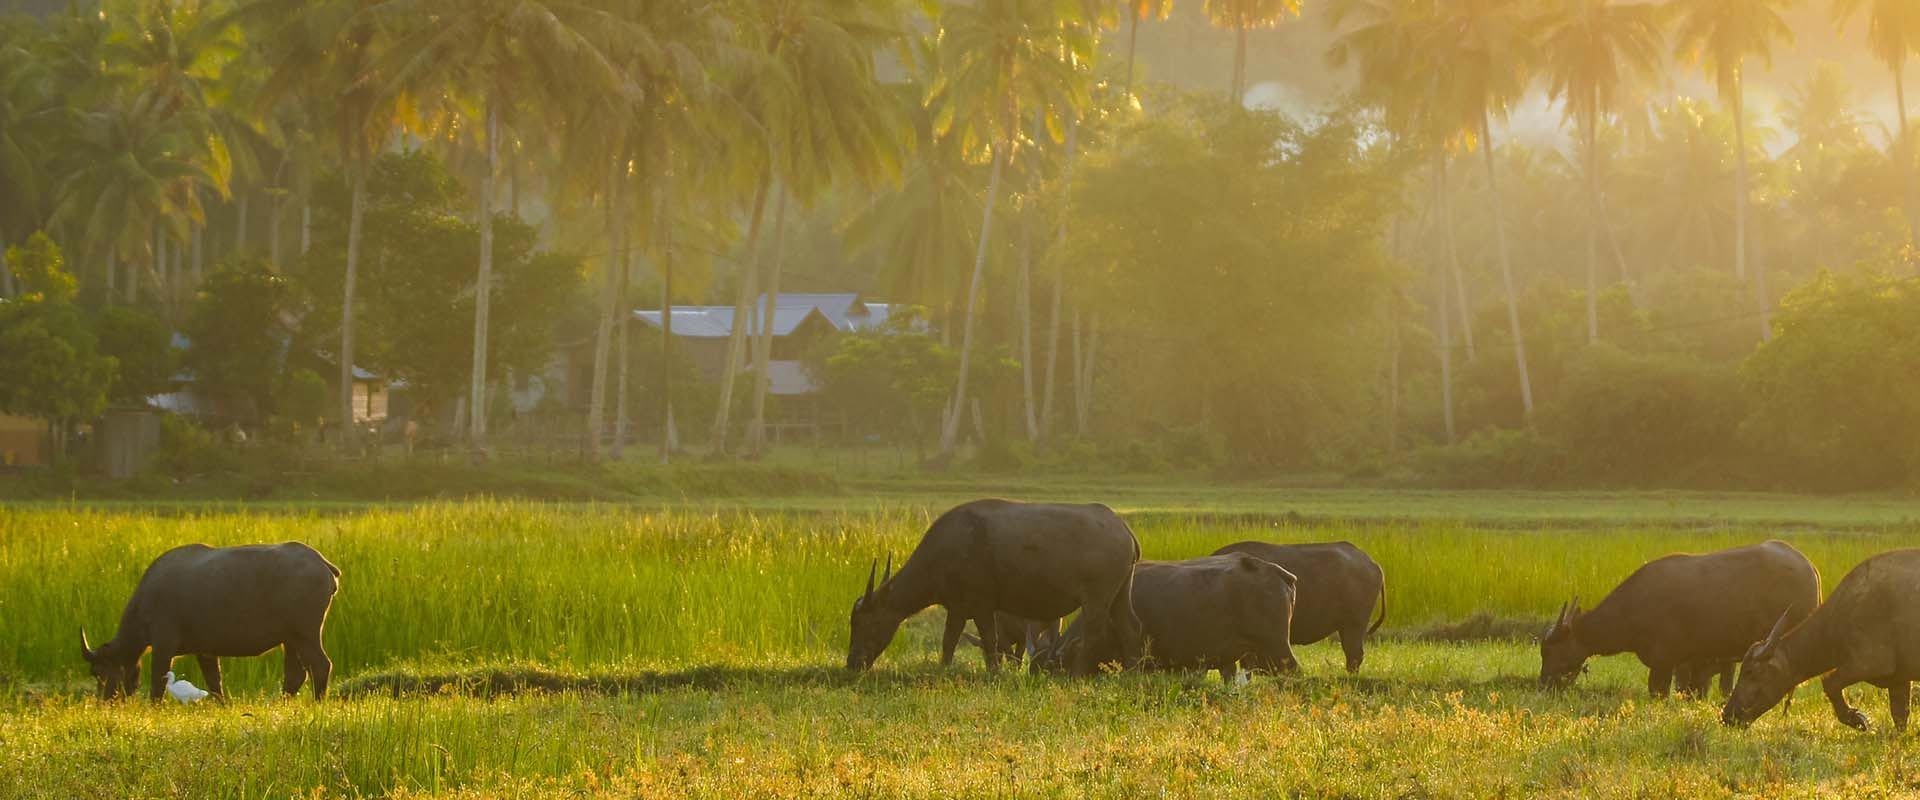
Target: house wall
[{"x": 24, "y": 442}]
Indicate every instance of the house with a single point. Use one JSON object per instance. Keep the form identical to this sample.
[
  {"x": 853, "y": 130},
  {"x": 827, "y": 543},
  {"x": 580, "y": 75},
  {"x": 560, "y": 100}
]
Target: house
[{"x": 799, "y": 322}]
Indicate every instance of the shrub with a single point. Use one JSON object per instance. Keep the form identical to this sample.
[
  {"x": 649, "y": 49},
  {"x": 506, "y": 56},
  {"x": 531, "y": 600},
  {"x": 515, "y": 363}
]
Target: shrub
[{"x": 1630, "y": 419}]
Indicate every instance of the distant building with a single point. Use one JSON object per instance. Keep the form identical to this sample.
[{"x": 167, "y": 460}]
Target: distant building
[
  {"x": 25, "y": 442},
  {"x": 799, "y": 321}
]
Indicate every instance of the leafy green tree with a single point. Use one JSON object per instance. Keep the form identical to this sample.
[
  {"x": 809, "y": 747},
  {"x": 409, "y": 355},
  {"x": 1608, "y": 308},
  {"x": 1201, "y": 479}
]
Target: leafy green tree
[
  {"x": 50, "y": 364},
  {"x": 142, "y": 346},
  {"x": 238, "y": 339},
  {"x": 891, "y": 381}
]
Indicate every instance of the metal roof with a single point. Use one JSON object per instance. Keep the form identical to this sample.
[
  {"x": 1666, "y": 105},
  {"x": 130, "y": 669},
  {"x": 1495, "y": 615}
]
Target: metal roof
[{"x": 845, "y": 311}]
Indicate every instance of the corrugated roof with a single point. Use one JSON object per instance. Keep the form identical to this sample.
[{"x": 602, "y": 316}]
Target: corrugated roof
[{"x": 716, "y": 322}]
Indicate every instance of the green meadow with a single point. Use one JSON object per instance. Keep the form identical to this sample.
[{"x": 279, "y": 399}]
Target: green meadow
[{"x": 522, "y": 649}]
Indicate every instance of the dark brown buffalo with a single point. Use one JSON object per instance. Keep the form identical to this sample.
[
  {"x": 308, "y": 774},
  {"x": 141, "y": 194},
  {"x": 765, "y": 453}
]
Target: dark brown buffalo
[
  {"x": 1216, "y": 612},
  {"x": 1031, "y": 560},
  {"x": 1868, "y": 632},
  {"x": 1018, "y": 637},
  {"x": 215, "y": 602},
  {"x": 1338, "y": 584},
  {"x": 1684, "y": 612}
]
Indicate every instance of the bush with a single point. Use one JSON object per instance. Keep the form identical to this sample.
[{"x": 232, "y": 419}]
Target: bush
[
  {"x": 188, "y": 450},
  {"x": 1492, "y": 459},
  {"x": 1641, "y": 420}
]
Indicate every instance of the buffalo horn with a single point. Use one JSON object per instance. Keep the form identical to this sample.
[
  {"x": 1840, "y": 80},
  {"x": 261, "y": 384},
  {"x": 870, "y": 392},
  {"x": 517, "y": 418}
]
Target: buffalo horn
[
  {"x": 870, "y": 571},
  {"x": 888, "y": 575},
  {"x": 86, "y": 650},
  {"x": 1773, "y": 636}
]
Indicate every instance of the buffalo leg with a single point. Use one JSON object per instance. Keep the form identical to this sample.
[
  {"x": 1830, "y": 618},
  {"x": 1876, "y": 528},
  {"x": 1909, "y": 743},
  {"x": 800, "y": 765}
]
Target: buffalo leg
[
  {"x": 295, "y": 672},
  {"x": 1835, "y": 685},
  {"x": 1726, "y": 678},
  {"x": 210, "y": 670},
  {"x": 1353, "y": 641},
  {"x": 319, "y": 667},
  {"x": 1227, "y": 673},
  {"x": 989, "y": 628},
  {"x": 1899, "y": 693},
  {"x": 956, "y": 624},
  {"x": 163, "y": 651},
  {"x": 1659, "y": 682},
  {"x": 1693, "y": 681},
  {"x": 1099, "y": 632}
]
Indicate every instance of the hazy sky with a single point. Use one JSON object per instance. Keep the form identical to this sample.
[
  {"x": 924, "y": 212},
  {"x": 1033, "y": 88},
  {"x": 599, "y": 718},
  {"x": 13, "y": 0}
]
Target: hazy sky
[{"x": 1287, "y": 67}]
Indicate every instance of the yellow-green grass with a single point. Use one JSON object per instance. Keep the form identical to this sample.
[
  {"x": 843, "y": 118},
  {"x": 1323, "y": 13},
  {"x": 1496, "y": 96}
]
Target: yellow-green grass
[
  {"x": 702, "y": 642},
  {"x": 1427, "y": 720}
]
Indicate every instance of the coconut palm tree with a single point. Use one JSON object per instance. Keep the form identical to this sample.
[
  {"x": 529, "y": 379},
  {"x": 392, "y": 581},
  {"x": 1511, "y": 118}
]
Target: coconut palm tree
[
  {"x": 1241, "y": 16},
  {"x": 1893, "y": 34},
  {"x": 1492, "y": 51},
  {"x": 1720, "y": 36},
  {"x": 826, "y": 119},
  {"x": 483, "y": 60},
  {"x": 1139, "y": 11},
  {"x": 1589, "y": 48},
  {"x": 1002, "y": 60},
  {"x": 320, "y": 58}
]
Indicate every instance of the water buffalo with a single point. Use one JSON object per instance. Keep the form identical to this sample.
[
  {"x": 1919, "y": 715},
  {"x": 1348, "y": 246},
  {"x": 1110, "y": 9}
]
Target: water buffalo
[
  {"x": 1031, "y": 560},
  {"x": 212, "y": 602},
  {"x": 1338, "y": 584},
  {"x": 1868, "y": 632},
  {"x": 1684, "y": 612},
  {"x": 1213, "y": 612},
  {"x": 1018, "y": 636}
]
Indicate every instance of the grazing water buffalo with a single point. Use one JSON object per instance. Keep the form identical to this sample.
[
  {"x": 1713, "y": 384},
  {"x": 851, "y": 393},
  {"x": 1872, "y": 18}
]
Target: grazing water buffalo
[
  {"x": 1214, "y": 612},
  {"x": 212, "y": 602},
  {"x": 1031, "y": 560},
  {"x": 1690, "y": 613},
  {"x": 1338, "y": 584},
  {"x": 1018, "y": 637},
  {"x": 1868, "y": 632}
]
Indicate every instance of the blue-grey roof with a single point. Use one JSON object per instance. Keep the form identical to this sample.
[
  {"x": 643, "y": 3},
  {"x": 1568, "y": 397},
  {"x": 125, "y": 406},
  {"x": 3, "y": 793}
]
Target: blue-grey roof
[{"x": 845, "y": 311}]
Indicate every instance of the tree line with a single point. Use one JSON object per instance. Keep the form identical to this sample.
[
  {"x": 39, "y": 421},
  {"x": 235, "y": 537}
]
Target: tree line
[{"x": 1106, "y": 261}]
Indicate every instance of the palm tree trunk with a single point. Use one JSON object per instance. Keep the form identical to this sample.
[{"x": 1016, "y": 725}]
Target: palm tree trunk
[
  {"x": 736, "y": 338},
  {"x": 763, "y": 349},
  {"x": 240, "y": 223},
  {"x": 1740, "y": 204},
  {"x": 1133, "y": 42},
  {"x": 1506, "y": 271},
  {"x": 1455, "y": 274},
  {"x": 483, "y": 289},
  {"x": 1240, "y": 66},
  {"x": 664, "y": 225},
  {"x": 6, "y": 275},
  {"x": 1905, "y": 154},
  {"x": 1440, "y": 272},
  {"x": 1593, "y": 222},
  {"x": 950, "y": 431},
  {"x": 609, "y": 304},
  {"x": 1060, "y": 278},
  {"x": 621, "y": 334},
  {"x": 356, "y": 212},
  {"x": 133, "y": 282},
  {"x": 199, "y": 252},
  {"x": 1023, "y": 297},
  {"x": 306, "y": 230},
  {"x": 1083, "y": 402},
  {"x": 113, "y": 270}
]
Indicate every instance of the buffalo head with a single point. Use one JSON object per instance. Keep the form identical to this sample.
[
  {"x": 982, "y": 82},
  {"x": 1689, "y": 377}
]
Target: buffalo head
[
  {"x": 1766, "y": 676},
  {"x": 114, "y": 674},
  {"x": 1562, "y": 656},
  {"x": 873, "y": 624}
]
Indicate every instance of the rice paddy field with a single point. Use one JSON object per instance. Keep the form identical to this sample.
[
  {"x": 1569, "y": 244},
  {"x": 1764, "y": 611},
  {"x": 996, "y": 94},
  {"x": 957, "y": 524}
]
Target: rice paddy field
[{"x": 490, "y": 649}]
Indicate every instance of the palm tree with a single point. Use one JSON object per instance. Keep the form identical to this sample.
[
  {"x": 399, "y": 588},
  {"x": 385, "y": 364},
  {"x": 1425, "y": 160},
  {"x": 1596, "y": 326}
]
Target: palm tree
[
  {"x": 1002, "y": 60},
  {"x": 320, "y": 58},
  {"x": 1820, "y": 115},
  {"x": 1590, "y": 48},
  {"x": 1139, "y": 11},
  {"x": 1241, "y": 16},
  {"x": 826, "y": 119},
  {"x": 486, "y": 59},
  {"x": 1721, "y": 35},
  {"x": 1893, "y": 33},
  {"x": 1493, "y": 51}
]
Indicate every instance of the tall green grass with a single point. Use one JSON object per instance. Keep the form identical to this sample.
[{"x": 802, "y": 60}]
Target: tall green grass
[{"x": 585, "y": 586}]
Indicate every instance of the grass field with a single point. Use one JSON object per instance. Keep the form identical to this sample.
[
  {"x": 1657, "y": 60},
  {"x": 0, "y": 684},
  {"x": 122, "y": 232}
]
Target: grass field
[{"x": 688, "y": 649}]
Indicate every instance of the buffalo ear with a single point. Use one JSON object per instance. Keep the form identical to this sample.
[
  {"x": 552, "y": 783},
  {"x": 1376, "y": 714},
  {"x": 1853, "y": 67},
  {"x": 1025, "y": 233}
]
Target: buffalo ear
[{"x": 86, "y": 650}]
